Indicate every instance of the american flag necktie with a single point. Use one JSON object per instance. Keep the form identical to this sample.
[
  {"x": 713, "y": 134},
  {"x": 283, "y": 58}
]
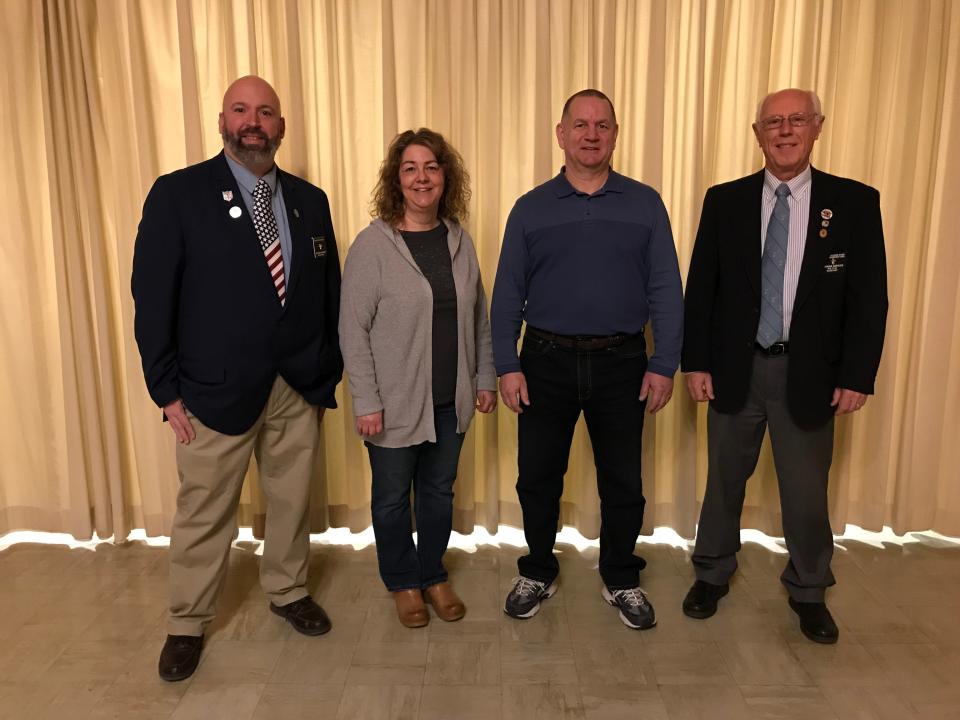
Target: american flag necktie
[{"x": 266, "y": 226}]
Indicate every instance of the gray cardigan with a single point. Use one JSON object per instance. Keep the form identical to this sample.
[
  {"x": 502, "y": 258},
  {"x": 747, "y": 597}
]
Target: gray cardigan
[{"x": 386, "y": 328}]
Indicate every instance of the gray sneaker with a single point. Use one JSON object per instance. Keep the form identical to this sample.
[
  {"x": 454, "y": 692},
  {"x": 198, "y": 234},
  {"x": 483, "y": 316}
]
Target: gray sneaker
[
  {"x": 523, "y": 600},
  {"x": 635, "y": 609}
]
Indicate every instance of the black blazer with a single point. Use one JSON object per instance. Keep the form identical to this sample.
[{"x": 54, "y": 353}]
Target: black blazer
[
  {"x": 839, "y": 315},
  {"x": 208, "y": 322}
]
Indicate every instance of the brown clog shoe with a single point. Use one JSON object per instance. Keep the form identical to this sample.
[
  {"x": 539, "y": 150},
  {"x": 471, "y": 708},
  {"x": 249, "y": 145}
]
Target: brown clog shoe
[
  {"x": 410, "y": 608},
  {"x": 445, "y": 602}
]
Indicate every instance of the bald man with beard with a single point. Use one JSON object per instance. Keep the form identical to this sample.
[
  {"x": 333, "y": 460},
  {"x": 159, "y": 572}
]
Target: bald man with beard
[{"x": 236, "y": 283}]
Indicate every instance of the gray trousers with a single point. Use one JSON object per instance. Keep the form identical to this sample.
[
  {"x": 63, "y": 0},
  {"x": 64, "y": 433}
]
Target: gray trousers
[{"x": 802, "y": 460}]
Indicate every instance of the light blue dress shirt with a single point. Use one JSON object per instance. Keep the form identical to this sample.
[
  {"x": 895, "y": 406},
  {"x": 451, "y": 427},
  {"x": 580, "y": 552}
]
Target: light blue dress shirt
[{"x": 247, "y": 182}]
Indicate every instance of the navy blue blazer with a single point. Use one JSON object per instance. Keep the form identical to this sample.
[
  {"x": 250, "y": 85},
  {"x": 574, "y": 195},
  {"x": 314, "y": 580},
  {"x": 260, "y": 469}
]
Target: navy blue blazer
[
  {"x": 840, "y": 310},
  {"x": 208, "y": 322}
]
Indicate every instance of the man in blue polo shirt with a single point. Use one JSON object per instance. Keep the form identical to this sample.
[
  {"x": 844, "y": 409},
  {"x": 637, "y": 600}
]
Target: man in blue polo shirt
[{"x": 587, "y": 258}]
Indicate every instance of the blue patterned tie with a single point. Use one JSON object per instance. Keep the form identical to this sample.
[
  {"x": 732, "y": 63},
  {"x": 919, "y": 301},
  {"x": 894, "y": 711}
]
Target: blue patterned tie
[{"x": 771, "y": 269}]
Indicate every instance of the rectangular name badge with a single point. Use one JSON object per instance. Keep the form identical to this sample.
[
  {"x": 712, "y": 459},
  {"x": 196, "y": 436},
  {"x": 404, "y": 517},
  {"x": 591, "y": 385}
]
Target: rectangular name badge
[
  {"x": 837, "y": 262},
  {"x": 319, "y": 247}
]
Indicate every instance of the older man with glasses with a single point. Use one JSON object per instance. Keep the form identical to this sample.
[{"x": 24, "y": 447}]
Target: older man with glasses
[{"x": 785, "y": 310}]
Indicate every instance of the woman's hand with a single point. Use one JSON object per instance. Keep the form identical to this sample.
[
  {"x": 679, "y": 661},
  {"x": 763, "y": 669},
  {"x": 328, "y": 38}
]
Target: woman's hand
[
  {"x": 486, "y": 400},
  {"x": 372, "y": 424}
]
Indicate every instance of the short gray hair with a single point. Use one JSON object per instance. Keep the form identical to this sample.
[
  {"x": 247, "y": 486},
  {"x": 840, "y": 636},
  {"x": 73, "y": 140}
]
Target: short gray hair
[{"x": 814, "y": 100}]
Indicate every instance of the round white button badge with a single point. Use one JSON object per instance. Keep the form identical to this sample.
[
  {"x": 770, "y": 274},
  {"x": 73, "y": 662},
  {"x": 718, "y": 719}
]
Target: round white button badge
[{"x": 235, "y": 212}]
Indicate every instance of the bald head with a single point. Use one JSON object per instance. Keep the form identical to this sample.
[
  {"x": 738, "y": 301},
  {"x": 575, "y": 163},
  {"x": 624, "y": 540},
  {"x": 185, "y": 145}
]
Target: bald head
[
  {"x": 251, "y": 124},
  {"x": 795, "y": 94},
  {"x": 251, "y": 86}
]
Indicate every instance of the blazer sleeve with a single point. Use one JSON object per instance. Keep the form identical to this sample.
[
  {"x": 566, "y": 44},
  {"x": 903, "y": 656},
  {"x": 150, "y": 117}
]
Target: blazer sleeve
[
  {"x": 701, "y": 291},
  {"x": 158, "y": 260},
  {"x": 865, "y": 302}
]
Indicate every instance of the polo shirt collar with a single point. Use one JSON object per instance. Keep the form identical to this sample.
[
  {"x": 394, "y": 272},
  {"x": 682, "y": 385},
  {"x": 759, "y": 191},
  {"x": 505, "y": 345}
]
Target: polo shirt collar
[{"x": 562, "y": 187}]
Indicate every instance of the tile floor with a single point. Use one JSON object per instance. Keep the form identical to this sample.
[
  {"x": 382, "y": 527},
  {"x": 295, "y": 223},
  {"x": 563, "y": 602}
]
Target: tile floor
[{"x": 80, "y": 632}]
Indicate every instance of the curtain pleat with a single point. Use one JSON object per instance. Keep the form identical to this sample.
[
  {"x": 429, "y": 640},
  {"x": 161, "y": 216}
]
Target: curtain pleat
[{"x": 102, "y": 97}]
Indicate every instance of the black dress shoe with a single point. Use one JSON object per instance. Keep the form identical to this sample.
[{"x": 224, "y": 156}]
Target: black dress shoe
[
  {"x": 815, "y": 621},
  {"x": 701, "y": 600},
  {"x": 179, "y": 657},
  {"x": 305, "y": 615}
]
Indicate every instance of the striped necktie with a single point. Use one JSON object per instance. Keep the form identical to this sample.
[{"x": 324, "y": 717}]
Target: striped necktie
[
  {"x": 774, "y": 261},
  {"x": 266, "y": 226}
]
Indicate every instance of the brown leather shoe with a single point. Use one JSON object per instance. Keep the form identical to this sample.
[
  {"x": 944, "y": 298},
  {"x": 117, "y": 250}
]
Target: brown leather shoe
[
  {"x": 410, "y": 608},
  {"x": 445, "y": 602}
]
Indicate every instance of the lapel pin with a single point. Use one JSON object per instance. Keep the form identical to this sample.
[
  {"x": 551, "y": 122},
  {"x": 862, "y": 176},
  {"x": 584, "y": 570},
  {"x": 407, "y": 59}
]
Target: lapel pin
[
  {"x": 825, "y": 223},
  {"x": 227, "y": 195},
  {"x": 235, "y": 212},
  {"x": 826, "y": 213},
  {"x": 823, "y": 232},
  {"x": 296, "y": 213}
]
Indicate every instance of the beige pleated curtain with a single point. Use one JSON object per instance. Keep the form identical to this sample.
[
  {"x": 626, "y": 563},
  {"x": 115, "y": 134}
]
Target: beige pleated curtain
[{"x": 101, "y": 97}]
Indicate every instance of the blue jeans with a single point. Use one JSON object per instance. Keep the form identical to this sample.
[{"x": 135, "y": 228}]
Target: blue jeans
[{"x": 431, "y": 469}]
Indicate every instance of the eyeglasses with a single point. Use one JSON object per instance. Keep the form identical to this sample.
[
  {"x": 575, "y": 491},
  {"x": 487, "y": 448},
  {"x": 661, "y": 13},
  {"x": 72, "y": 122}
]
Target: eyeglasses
[{"x": 775, "y": 122}]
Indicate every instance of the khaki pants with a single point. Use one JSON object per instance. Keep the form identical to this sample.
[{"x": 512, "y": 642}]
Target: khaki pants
[{"x": 285, "y": 439}]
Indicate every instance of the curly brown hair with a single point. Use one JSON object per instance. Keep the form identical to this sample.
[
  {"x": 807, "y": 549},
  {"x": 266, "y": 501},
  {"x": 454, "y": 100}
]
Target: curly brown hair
[{"x": 387, "y": 201}]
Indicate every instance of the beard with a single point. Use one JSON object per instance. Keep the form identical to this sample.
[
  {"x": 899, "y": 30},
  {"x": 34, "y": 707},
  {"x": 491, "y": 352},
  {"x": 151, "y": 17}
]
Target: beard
[{"x": 248, "y": 155}]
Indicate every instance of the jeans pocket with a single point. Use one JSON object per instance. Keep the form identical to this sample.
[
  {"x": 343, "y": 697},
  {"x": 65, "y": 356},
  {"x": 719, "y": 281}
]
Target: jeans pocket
[
  {"x": 633, "y": 349},
  {"x": 535, "y": 345}
]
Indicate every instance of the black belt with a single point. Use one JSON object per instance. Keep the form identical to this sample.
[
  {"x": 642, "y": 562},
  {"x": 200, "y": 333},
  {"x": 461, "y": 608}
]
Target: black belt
[
  {"x": 778, "y": 348},
  {"x": 581, "y": 342}
]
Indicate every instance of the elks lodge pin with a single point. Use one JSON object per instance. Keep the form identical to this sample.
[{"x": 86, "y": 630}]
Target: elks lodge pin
[
  {"x": 826, "y": 213},
  {"x": 319, "y": 246},
  {"x": 227, "y": 195}
]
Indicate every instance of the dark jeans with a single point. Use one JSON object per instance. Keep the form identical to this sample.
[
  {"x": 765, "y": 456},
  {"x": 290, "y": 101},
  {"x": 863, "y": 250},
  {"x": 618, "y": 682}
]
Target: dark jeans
[
  {"x": 605, "y": 385},
  {"x": 431, "y": 468}
]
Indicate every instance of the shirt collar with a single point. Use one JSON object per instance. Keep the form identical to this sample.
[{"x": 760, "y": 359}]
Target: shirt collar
[
  {"x": 797, "y": 184},
  {"x": 247, "y": 180},
  {"x": 562, "y": 187}
]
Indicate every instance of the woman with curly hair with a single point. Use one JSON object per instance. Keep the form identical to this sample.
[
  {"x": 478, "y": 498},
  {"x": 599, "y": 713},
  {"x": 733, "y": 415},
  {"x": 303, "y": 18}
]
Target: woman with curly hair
[{"x": 415, "y": 338}]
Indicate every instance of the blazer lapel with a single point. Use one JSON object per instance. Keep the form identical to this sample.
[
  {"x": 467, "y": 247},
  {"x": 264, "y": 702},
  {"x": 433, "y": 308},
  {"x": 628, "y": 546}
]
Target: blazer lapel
[
  {"x": 298, "y": 239},
  {"x": 751, "y": 204},
  {"x": 821, "y": 196},
  {"x": 239, "y": 227}
]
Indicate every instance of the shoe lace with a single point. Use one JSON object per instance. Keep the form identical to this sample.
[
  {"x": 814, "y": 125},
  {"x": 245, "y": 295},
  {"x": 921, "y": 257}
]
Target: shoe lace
[
  {"x": 633, "y": 597},
  {"x": 524, "y": 587}
]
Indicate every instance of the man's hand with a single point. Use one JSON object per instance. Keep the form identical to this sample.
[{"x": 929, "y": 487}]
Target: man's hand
[
  {"x": 486, "y": 400},
  {"x": 513, "y": 390},
  {"x": 179, "y": 422},
  {"x": 656, "y": 390},
  {"x": 372, "y": 424},
  {"x": 847, "y": 401},
  {"x": 700, "y": 386}
]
